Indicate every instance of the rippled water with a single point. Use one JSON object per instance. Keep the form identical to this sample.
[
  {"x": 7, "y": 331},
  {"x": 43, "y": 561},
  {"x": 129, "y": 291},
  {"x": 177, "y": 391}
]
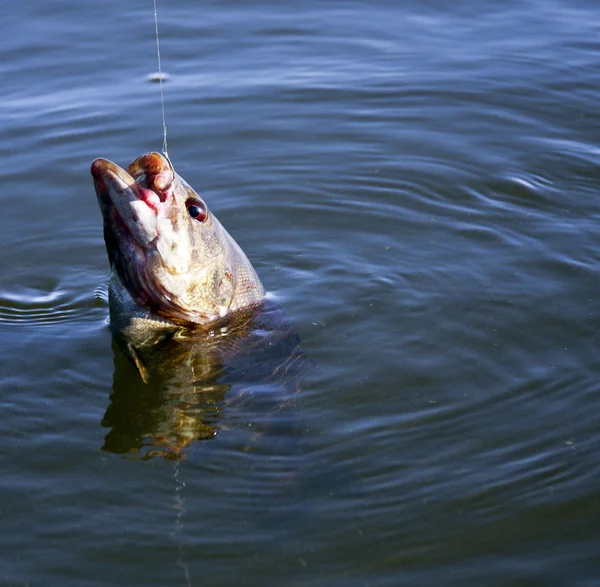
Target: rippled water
[{"x": 417, "y": 186}]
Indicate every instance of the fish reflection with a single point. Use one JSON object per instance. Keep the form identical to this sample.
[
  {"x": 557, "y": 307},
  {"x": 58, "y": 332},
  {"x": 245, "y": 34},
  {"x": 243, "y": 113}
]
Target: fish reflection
[{"x": 174, "y": 388}]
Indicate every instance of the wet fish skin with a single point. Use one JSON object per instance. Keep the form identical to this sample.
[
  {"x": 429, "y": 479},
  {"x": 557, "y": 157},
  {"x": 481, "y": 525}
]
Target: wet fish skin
[{"x": 167, "y": 266}]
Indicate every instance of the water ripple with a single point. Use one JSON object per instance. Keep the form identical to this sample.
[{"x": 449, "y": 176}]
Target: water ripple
[{"x": 32, "y": 307}]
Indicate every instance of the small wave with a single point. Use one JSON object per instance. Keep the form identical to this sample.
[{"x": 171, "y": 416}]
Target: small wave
[
  {"x": 35, "y": 307},
  {"x": 101, "y": 292}
]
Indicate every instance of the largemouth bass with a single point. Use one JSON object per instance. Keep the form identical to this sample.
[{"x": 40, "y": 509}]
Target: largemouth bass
[
  {"x": 171, "y": 260},
  {"x": 188, "y": 310}
]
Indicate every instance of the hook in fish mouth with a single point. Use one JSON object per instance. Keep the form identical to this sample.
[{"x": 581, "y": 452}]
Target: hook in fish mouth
[{"x": 155, "y": 172}]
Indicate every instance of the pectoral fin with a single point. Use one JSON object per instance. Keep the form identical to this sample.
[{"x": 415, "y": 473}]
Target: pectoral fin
[{"x": 138, "y": 363}]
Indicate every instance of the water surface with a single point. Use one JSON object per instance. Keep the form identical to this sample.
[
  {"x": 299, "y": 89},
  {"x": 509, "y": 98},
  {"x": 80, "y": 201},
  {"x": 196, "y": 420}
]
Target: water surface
[{"x": 417, "y": 186}]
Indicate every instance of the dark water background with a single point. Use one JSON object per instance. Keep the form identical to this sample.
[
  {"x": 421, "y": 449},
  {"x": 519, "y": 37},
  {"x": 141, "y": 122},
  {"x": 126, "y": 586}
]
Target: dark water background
[{"x": 418, "y": 185}]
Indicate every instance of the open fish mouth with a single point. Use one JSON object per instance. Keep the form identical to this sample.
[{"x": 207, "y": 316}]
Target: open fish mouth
[
  {"x": 139, "y": 207},
  {"x": 168, "y": 254},
  {"x": 139, "y": 195}
]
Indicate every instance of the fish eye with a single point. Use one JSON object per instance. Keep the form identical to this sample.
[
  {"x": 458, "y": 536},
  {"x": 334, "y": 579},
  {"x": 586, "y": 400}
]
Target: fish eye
[{"x": 197, "y": 210}]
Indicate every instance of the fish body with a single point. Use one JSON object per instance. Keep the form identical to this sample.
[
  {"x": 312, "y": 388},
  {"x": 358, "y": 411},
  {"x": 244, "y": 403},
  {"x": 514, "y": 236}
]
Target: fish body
[{"x": 172, "y": 262}]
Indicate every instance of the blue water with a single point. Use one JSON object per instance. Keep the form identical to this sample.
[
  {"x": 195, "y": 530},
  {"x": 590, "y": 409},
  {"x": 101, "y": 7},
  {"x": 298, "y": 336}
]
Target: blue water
[{"x": 417, "y": 186}]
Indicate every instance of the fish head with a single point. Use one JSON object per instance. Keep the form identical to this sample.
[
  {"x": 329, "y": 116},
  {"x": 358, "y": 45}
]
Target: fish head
[{"x": 166, "y": 249}]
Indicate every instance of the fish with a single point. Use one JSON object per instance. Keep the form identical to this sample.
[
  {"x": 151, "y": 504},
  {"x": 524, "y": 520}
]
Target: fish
[
  {"x": 194, "y": 331},
  {"x": 172, "y": 262}
]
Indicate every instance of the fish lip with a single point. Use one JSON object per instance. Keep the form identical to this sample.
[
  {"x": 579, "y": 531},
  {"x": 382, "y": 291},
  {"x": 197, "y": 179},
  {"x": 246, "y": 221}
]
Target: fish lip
[
  {"x": 136, "y": 206},
  {"x": 158, "y": 171}
]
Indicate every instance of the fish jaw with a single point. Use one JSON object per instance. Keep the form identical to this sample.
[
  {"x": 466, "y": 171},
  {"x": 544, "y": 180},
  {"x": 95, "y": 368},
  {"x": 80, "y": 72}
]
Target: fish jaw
[
  {"x": 136, "y": 206},
  {"x": 143, "y": 200}
]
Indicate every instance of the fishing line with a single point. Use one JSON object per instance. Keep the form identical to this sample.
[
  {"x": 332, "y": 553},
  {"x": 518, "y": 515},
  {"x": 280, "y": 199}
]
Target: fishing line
[
  {"x": 160, "y": 82},
  {"x": 179, "y": 500}
]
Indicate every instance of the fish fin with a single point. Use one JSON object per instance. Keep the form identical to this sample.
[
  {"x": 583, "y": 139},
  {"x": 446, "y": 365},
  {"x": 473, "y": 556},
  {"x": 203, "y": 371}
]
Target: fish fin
[{"x": 138, "y": 363}]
